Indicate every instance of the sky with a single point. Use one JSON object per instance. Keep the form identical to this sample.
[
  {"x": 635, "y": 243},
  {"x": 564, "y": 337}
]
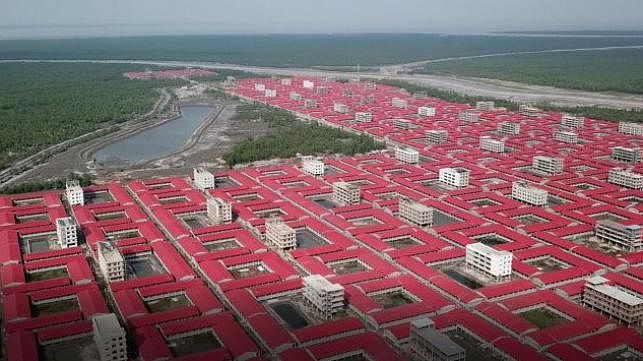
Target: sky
[{"x": 83, "y": 18}]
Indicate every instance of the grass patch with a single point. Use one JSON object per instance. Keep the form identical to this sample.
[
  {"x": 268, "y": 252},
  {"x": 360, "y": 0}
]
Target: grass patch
[{"x": 543, "y": 318}]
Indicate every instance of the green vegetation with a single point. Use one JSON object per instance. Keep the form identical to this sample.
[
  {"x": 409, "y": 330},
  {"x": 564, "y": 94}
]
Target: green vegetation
[
  {"x": 608, "y": 70},
  {"x": 44, "y": 104},
  {"x": 289, "y": 136},
  {"x": 85, "y": 180},
  {"x": 543, "y": 318},
  {"x": 589, "y": 112},
  {"x": 295, "y": 50}
]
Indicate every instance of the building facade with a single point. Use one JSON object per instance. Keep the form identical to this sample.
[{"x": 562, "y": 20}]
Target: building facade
[
  {"x": 111, "y": 262},
  {"x": 407, "y": 155},
  {"x": 565, "y": 136},
  {"x": 627, "y": 155},
  {"x": 630, "y": 128},
  {"x": 456, "y": 177},
  {"x": 74, "y": 193},
  {"x": 66, "y": 232},
  {"x": 313, "y": 167},
  {"x": 426, "y": 111},
  {"x": 363, "y": 117},
  {"x": 437, "y": 136},
  {"x": 109, "y": 338},
  {"x": 485, "y": 106},
  {"x": 402, "y": 124},
  {"x": 625, "y": 178},
  {"x": 571, "y": 121},
  {"x": 525, "y": 192},
  {"x": 488, "y": 261},
  {"x": 280, "y": 235},
  {"x": 219, "y": 210},
  {"x": 415, "y": 212},
  {"x": 469, "y": 116},
  {"x": 326, "y": 298},
  {"x": 346, "y": 193},
  {"x": 548, "y": 165},
  {"x": 627, "y": 307},
  {"x": 628, "y": 237},
  {"x": 529, "y": 111},
  {"x": 492, "y": 145},
  {"x": 509, "y": 128},
  {"x": 399, "y": 103},
  {"x": 202, "y": 178},
  {"x": 340, "y": 108},
  {"x": 428, "y": 344}
]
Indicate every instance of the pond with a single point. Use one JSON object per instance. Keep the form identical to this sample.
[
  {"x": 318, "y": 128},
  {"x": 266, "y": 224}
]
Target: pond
[{"x": 156, "y": 142}]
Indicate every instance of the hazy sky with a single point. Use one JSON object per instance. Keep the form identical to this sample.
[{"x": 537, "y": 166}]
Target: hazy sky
[{"x": 65, "y": 18}]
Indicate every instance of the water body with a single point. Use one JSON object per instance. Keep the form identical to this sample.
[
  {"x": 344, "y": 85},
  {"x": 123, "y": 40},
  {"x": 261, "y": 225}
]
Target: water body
[{"x": 156, "y": 142}]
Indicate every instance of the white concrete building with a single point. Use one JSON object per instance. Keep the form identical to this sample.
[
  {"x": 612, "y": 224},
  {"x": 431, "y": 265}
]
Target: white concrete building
[
  {"x": 426, "y": 111},
  {"x": 630, "y": 128},
  {"x": 415, "y": 212},
  {"x": 346, "y": 193},
  {"x": 321, "y": 90},
  {"x": 529, "y": 111},
  {"x": 565, "y": 136},
  {"x": 469, "y": 116},
  {"x": 109, "y": 338},
  {"x": 509, "y": 128},
  {"x": 488, "y": 261},
  {"x": 618, "y": 303},
  {"x": 485, "y": 106},
  {"x": 260, "y": 87},
  {"x": 310, "y": 103},
  {"x": 456, "y": 177},
  {"x": 111, "y": 262},
  {"x": 625, "y": 178},
  {"x": 340, "y": 108},
  {"x": 295, "y": 96},
  {"x": 280, "y": 235},
  {"x": 66, "y": 232},
  {"x": 492, "y": 145},
  {"x": 202, "y": 178},
  {"x": 270, "y": 93},
  {"x": 363, "y": 117},
  {"x": 548, "y": 165},
  {"x": 219, "y": 210},
  {"x": 628, "y": 237},
  {"x": 399, "y": 103},
  {"x": 313, "y": 166},
  {"x": 428, "y": 344},
  {"x": 326, "y": 298},
  {"x": 307, "y": 84},
  {"x": 407, "y": 155},
  {"x": 437, "y": 136},
  {"x": 402, "y": 123},
  {"x": 571, "y": 121},
  {"x": 74, "y": 193},
  {"x": 627, "y": 155},
  {"x": 526, "y": 192},
  {"x": 286, "y": 81}
]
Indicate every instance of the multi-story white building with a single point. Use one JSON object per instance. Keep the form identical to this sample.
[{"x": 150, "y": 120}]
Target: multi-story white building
[
  {"x": 630, "y": 128},
  {"x": 66, "y": 232},
  {"x": 565, "y": 136},
  {"x": 219, "y": 210},
  {"x": 525, "y": 192},
  {"x": 426, "y": 111},
  {"x": 509, "y": 128},
  {"x": 572, "y": 121},
  {"x": 363, "y": 117},
  {"x": 322, "y": 90},
  {"x": 618, "y": 303},
  {"x": 437, "y": 136},
  {"x": 492, "y": 145},
  {"x": 346, "y": 193},
  {"x": 457, "y": 177},
  {"x": 469, "y": 116},
  {"x": 625, "y": 154},
  {"x": 310, "y": 103},
  {"x": 111, "y": 262},
  {"x": 74, "y": 193},
  {"x": 485, "y": 106},
  {"x": 628, "y": 237},
  {"x": 415, "y": 212},
  {"x": 270, "y": 93},
  {"x": 286, "y": 81},
  {"x": 529, "y": 111},
  {"x": 429, "y": 344},
  {"x": 402, "y": 123},
  {"x": 280, "y": 235},
  {"x": 625, "y": 178},
  {"x": 548, "y": 165},
  {"x": 295, "y": 96},
  {"x": 407, "y": 155},
  {"x": 109, "y": 338},
  {"x": 313, "y": 166},
  {"x": 340, "y": 108},
  {"x": 326, "y": 298},
  {"x": 488, "y": 261},
  {"x": 202, "y": 178},
  {"x": 399, "y": 103},
  {"x": 307, "y": 84},
  {"x": 260, "y": 87}
]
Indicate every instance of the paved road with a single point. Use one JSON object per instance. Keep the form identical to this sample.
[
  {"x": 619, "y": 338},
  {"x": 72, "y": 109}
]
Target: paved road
[{"x": 473, "y": 86}]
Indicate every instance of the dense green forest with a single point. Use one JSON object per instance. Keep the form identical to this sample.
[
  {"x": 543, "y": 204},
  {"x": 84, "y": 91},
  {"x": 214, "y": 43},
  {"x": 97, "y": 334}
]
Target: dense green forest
[
  {"x": 84, "y": 180},
  {"x": 296, "y": 50},
  {"x": 46, "y": 103},
  {"x": 289, "y": 136},
  {"x": 590, "y": 112},
  {"x": 607, "y": 70}
]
